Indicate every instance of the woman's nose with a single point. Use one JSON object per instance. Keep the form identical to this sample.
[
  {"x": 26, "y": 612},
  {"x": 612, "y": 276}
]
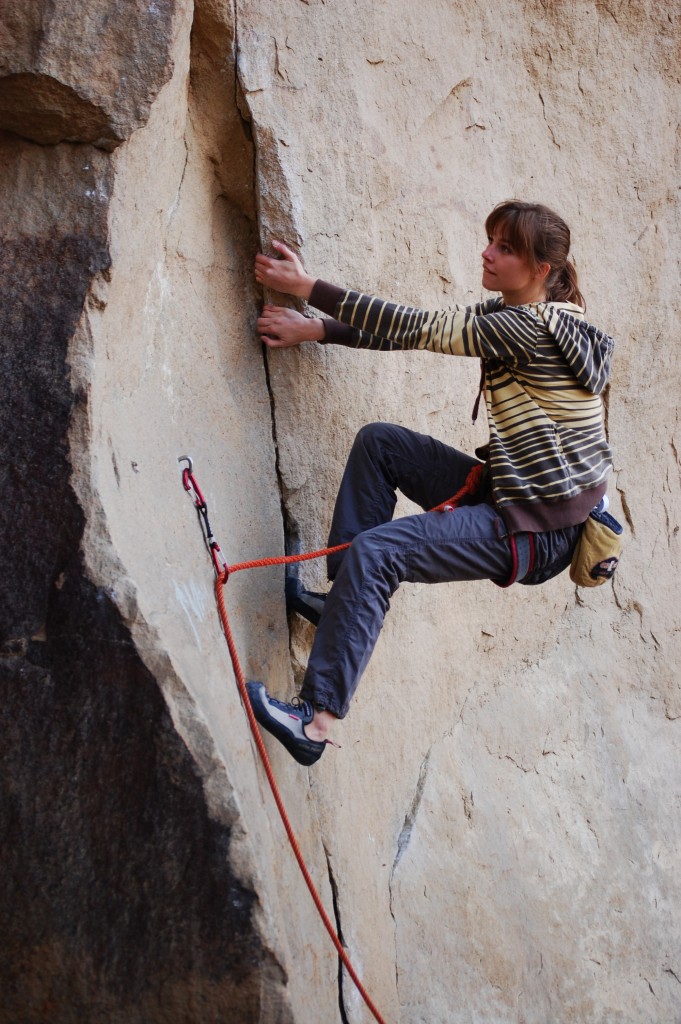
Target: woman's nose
[{"x": 487, "y": 253}]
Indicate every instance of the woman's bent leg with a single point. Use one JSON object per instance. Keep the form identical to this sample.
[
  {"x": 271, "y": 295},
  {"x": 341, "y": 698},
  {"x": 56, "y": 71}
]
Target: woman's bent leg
[
  {"x": 436, "y": 547},
  {"x": 386, "y": 458}
]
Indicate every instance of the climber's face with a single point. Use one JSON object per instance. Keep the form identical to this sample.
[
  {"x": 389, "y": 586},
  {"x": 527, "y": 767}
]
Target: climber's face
[{"x": 505, "y": 270}]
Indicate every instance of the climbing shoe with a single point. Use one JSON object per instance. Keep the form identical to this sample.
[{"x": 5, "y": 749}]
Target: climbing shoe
[
  {"x": 286, "y": 722},
  {"x": 305, "y": 602}
]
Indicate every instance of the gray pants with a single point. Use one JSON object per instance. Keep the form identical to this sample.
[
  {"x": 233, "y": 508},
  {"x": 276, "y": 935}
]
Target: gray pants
[{"x": 469, "y": 543}]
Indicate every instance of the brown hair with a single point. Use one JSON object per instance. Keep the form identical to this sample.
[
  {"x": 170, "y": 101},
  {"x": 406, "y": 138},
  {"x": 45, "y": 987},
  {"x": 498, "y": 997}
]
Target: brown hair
[{"x": 541, "y": 236}]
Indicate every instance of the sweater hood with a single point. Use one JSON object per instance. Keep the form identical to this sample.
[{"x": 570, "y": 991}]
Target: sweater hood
[{"x": 587, "y": 349}]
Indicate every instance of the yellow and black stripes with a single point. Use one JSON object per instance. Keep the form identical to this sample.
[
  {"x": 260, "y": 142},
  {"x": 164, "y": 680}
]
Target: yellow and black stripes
[
  {"x": 483, "y": 330},
  {"x": 544, "y": 370}
]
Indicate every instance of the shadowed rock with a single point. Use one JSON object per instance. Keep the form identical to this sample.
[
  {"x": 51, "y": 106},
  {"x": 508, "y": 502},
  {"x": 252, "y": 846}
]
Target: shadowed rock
[{"x": 67, "y": 76}]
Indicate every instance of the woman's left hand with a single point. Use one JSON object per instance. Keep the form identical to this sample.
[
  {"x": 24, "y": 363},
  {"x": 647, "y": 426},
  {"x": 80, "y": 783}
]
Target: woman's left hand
[
  {"x": 282, "y": 328},
  {"x": 285, "y": 274}
]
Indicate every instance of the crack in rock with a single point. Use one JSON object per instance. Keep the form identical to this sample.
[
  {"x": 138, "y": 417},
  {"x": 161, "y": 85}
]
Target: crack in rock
[
  {"x": 339, "y": 931},
  {"x": 403, "y": 842},
  {"x": 410, "y": 817},
  {"x": 548, "y": 125}
]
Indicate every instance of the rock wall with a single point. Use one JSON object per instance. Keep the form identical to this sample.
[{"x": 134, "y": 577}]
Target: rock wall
[{"x": 499, "y": 836}]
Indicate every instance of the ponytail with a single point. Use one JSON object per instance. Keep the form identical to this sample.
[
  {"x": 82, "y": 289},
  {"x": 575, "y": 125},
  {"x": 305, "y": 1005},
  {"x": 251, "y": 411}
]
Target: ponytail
[{"x": 562, "y": 285}]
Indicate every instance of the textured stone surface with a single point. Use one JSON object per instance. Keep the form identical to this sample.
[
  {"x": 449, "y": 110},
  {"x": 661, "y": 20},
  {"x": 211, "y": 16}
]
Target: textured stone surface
[
  {"x": 499, "y": 835},
  {"x": 118, "y": 900},
  {"x": 124, "y": 896},
  {"x": 513, "y": 785},
  {"x": 75, "y": 75}
]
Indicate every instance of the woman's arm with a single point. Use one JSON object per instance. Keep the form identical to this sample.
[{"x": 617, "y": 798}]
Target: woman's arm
[
  {"x": 280, "y": 327},
  {"x": 483, "y": 331}
]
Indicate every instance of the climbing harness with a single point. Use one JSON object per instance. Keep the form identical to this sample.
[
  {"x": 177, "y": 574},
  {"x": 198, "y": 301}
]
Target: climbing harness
[{"x": 222, "y": 574}]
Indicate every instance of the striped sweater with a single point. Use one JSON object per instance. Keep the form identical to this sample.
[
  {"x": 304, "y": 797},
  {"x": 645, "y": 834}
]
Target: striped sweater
[{"x": 544, "y": 370}]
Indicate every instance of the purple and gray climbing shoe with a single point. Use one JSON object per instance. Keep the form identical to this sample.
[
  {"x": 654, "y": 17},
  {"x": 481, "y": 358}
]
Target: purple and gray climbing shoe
[{"x": 286, "y": 722}]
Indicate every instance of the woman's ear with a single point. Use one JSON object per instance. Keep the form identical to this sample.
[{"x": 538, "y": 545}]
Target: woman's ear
[{"x": 543, "y": 271}]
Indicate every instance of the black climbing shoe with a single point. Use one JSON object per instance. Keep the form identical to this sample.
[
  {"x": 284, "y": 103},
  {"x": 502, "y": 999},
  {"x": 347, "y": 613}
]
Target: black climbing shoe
[
  {"x": 305, "y": 602},
  {"x": 286, "y": 722}
]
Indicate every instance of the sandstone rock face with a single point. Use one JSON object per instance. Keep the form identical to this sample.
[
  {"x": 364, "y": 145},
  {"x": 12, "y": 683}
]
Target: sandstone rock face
[
  {"x": 499, "y": 836},
  {"x": 75, "y": 76}
]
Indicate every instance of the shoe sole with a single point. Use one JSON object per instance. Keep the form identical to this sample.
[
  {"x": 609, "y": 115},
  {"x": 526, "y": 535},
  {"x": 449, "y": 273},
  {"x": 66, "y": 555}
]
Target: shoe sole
[{"x": 305, "y": 752}]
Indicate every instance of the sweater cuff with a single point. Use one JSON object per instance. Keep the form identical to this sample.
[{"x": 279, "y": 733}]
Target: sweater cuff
[
  {"x": 336, "y": 333},
  {"x": 325, "y": 296}
]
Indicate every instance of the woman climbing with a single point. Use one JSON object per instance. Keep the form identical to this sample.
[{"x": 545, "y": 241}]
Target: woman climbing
[{"x": 513, "y": 514}]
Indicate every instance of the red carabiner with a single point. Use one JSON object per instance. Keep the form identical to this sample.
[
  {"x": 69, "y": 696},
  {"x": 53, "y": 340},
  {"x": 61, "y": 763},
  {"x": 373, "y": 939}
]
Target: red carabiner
[
  {"x": 190, "y": 485},
  {"x": 189, "y": 482}
]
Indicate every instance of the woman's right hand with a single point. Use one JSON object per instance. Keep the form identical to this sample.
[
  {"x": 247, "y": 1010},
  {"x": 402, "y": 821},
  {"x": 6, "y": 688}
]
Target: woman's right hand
[
  {"x": 279, "y": 327},
  {"x": 286, "y": 275}
]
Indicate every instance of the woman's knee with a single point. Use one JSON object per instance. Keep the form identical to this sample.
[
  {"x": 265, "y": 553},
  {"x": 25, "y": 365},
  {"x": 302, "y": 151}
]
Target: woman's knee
[
  {"x": 378, "y": 442},
  {"x": 373, "y": 435}
]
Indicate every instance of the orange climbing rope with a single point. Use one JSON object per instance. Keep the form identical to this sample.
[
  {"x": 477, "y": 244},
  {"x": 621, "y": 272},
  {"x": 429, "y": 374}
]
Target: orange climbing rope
[
  {"x": 223, "y": 572},
  {"x": 241, "y": 683},
  {"x": 472, "y": 483}
]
